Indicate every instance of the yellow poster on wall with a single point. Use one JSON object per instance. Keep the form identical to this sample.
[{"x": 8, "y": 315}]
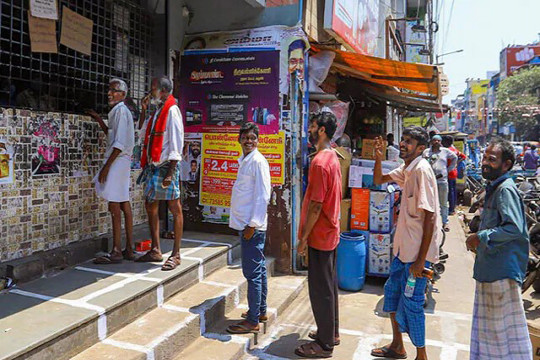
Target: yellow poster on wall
[{"x": 220, "y": 156}]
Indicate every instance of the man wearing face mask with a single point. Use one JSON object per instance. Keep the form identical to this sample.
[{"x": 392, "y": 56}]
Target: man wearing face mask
[
  {"x": 499, "y": 329},
  {"x": 319, "y": 234},
  {"x": 113, "y": 180},
  {"x": 160, "y": 159}
]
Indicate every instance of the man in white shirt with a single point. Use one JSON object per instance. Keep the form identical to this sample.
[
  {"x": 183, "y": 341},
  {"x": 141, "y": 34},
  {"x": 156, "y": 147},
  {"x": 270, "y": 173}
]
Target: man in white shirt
[
  {"x": 160, "y": 159},
  {"x": 249, "y": 203},
  {"x": 113, "y": 180},
  {"x": 442, "y": 160}
]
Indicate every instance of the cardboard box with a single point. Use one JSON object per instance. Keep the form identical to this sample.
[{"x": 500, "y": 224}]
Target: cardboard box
[
  {"x": 381, "y": 212},
  {"x": 345, "y": 215},
  {"x": 345, "y": 163},
  {"x": 360, "y": 209},
  {"x": 368, "y": 149},
  {"x": 534, "y": 332},
  {"x": 379, "y": 254}
]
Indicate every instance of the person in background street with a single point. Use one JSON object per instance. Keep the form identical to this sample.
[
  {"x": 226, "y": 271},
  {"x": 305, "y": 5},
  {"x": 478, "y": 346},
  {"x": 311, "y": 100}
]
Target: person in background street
[
  {"x": 249, "y": 203},
  {"x": 442, "y": 161},
  {"x": 319, "y": 235},
  {"x": 499, "y": 329},
  {"x": 416, "y": 242},
  {"x": 448, "y": 142},
  {"x": 145, "y": 103},
  {"x": 161, "y": 154},
  {"x": 113, "y": 180},
  {"x": 390, "y": 140},
  {"x": 530, "y": 159}
]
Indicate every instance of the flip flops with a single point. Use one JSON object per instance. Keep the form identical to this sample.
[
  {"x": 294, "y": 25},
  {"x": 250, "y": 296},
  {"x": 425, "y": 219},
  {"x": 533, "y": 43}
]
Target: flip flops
[
  {"x": 386, "y": 352},
  {"x": 107, "y": 259},
  {"x": 312, "y": 350},
  {"x": 243, "y": 327},
  {"x": 150, "y": 256}
]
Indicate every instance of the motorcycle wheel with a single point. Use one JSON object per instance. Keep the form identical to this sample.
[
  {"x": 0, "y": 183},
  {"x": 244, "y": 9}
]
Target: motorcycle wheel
[
  {"x": 530, "y": 279},
  {"x": 536, "y": 285}
]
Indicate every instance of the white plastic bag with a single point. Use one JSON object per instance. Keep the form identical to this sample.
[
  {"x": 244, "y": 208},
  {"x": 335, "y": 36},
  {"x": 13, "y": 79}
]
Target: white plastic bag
[{"x": 319, "y": 65}]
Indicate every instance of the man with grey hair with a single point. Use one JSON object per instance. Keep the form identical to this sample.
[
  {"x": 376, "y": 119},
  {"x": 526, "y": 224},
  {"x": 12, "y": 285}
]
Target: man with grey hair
[
  {"x": 113, "y": 180},
  {"x": 162, "y": 153}
]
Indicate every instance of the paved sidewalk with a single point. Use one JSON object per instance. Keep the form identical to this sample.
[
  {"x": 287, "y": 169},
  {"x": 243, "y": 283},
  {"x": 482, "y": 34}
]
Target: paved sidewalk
[{"x": 364, "y": 326}]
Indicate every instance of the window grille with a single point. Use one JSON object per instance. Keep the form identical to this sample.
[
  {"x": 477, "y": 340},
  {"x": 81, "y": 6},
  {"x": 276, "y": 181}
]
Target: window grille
[{"x": 70, "y": 81}]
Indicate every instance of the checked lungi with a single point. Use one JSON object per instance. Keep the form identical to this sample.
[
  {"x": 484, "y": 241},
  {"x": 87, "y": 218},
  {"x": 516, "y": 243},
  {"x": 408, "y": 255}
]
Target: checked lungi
[
  {"x": 409, "y": 310},
  {"x": 153, "y": 177},
  {"x": 499, "y": 328}
]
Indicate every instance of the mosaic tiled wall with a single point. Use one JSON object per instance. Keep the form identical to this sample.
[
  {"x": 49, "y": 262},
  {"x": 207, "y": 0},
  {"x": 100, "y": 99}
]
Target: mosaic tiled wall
[{"x": 40, "y": 212}]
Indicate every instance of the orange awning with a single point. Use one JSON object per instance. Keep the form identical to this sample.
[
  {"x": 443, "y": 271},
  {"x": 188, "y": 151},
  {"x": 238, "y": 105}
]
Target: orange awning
[{"x": 419, "y": 79}]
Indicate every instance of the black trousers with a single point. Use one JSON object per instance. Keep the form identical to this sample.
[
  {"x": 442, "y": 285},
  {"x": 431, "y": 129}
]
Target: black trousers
[{"x": 323, "y": 294}]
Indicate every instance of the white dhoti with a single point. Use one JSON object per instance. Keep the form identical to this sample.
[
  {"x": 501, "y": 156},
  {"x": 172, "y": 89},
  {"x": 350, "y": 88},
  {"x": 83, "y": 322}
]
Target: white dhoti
[{"x": 116, "y": 187}]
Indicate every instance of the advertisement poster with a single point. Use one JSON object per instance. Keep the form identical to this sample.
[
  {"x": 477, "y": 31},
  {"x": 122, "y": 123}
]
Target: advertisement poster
[
  {"x": 512, "y": 58},
  {"x": 354, "y": 22},
  {"x": 220, "y": 165},
  {"x": 220, "y": 92},
  {"x": 45, "y": 146},
  {"x": 291, "y": 42},
  {"x": 6, "y": 162}
]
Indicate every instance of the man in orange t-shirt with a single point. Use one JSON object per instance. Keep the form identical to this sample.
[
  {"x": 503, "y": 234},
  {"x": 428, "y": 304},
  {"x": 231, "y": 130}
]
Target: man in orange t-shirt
[{"x": 319, "y": 234}]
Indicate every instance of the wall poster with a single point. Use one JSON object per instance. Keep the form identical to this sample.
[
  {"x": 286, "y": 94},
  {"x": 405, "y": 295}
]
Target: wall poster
[
  {"x": 6, "y": 162},
  {"x": 220, "y": 165},
  {"x": 45, "y": 145},
  {"x": 220, "y": 92}
]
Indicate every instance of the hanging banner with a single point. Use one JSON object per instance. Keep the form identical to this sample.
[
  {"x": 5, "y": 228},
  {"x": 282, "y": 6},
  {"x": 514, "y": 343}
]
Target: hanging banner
[
  {"x": 291, "y": 42},
  {"x": 220, "y": 165},
  {"x": 76, "y": 31},
  {"x": 220, "y": 92},
  {"x": 6, "y": 162},
  {"x": 45, "y": 9},
  {"x": 42, "y": 35},
  {"x": 354, "y": 23}
]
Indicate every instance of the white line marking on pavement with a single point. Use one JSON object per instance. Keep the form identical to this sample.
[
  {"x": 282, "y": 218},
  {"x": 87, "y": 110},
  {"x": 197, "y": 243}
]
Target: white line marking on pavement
[
  {"x": 170, "y": 332},
  {"x": 102, "y": 327},
  {"x": 159, "y": 295},
  {"x": 128, "y": 346},
  {"x": 215, "y": 283},
  {"x": 201, "y": 267},
  {"x": 175, "y": 308},
  {"x": 224, "y": 338},
  {"x": 364, "y": 347},
  {"x": 112, "y": 273},
  {"x": 74, "y": 303},
  {"x": 450, "y": 315}
]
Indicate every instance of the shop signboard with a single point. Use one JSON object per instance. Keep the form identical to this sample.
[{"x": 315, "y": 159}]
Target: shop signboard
[
  {"x": 354, "y": 23},
  {"x": 514, "y": 57},
  {"x": 219, "y": 164},
  {"x": 222, "y": 91}
]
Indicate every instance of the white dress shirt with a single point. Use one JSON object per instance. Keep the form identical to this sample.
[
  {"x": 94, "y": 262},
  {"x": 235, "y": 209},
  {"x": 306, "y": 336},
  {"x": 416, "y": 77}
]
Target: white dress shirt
[
  {"x": 121, "y": 133},
  {"x": 251, "y": 193},
  {"x": 173, "y": 138}
]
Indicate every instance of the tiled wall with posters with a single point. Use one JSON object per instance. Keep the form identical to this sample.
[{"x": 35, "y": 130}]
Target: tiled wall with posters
[{"x": 51, "y": 201}]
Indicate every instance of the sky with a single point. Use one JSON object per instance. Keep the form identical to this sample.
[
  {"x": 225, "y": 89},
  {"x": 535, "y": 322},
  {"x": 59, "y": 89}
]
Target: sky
[{"x": 482, "y": 28}]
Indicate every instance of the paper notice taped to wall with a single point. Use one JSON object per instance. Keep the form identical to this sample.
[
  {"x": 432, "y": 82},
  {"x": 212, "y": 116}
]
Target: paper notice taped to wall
[
  {"x": 42, "y": 35},
  {"x": 76, "y": 31},
  {"x": 45, "y": 9}
]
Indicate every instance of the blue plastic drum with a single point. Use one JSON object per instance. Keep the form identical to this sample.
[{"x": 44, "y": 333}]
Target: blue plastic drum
[{"x": 351, "y": 261}]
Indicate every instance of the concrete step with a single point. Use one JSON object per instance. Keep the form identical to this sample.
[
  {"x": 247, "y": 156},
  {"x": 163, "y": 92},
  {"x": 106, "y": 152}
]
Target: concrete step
[
  {"x": 216, "y": 343},
  {"x": 58, "y": 317},
  {"x": 166, "y": 330}
]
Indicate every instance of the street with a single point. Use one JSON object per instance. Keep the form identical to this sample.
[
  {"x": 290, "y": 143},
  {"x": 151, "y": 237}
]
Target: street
[{"x": 363, "y": 326}]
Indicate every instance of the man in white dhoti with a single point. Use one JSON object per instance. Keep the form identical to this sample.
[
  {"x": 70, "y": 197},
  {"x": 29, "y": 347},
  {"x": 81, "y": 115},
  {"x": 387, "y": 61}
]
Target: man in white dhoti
[
  {"x": 113, "y": 180},
  {"x": 499, "y": 329}
]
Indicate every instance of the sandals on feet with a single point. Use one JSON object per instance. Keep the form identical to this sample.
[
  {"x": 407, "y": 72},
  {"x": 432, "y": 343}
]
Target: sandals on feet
[
  {"x": 243, "y": 327},
  {"x": 313, "y": 335},
  {"x": 128, "y": 255},
  {"x": 171, "y": 263},
  {"x": 167, "y": 235},
  {"x": 386, "y": 352},
  {"x": 312, "y": 350},
  {"x": 107, "y": 259},
  {"x": 262, "y": 318},
  {"x": 150, "y": 256}
]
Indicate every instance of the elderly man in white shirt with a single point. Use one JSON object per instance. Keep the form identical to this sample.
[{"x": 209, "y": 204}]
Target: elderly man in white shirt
[
  {"x": 160, "y": 159},
  {"x": 113, "y": 180},
  {"x": 249, "y": 203}
]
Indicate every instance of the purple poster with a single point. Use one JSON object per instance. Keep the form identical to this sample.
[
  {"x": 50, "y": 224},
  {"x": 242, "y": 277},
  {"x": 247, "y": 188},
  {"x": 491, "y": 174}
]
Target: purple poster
[{"x": 220, "y": 92}]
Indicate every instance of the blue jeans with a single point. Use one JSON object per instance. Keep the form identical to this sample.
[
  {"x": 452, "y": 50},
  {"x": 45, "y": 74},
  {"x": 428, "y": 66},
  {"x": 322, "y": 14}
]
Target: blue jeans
[
  {"x": 443, "y": 201},
  {"x": 254, "y": 270},
  {"x": 409, "y": 311},
  {"x": 452, "y": 195}
]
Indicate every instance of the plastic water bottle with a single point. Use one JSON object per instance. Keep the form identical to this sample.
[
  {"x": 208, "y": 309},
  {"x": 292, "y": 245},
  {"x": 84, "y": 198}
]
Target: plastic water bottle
[{"x": 409, "y": 288}]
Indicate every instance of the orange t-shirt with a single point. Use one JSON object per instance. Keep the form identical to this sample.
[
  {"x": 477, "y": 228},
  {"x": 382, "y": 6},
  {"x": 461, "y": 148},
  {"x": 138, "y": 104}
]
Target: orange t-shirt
[{"x": 324, "y": 186}]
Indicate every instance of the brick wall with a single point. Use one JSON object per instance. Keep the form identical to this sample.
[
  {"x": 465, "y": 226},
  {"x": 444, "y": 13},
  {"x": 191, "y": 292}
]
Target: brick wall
[{"x": 44, "y": 212}]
